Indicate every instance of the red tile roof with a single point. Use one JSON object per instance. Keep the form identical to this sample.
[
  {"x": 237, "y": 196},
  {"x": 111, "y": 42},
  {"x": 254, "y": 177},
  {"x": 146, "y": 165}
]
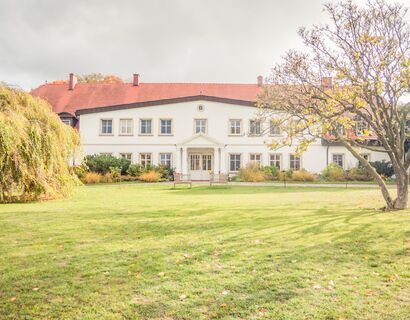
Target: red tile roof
[{"x": 93, "y": 95}]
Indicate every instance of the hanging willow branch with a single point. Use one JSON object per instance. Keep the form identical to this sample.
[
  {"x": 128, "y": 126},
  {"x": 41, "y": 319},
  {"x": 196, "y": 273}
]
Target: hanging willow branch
[{"x": 35, "y": 148}]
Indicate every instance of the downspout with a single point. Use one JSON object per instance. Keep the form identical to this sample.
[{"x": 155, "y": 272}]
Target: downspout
[{"x": 327, "y": 155}]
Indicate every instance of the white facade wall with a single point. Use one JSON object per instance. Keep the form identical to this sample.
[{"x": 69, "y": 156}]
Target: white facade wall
[{"x": 183, "y": 141}]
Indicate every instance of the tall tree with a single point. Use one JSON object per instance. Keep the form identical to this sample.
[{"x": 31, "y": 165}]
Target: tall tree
[
  {"x": 348, "y": 87},
  {"x": 35, "y": 148}
]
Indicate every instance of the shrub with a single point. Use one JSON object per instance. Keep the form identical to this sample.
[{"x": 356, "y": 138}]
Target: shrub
[
  {"x": 92, "y": 178},
  {"x": 333, "y": 172},
  {"x": 359, "y": 174},
  {"x": 303, "y": 175},
  {"x": 150, "y": 176},
  {"x": 282, "y": 175},
  {"x": 103, "y": 163},
  {"x": 271, "y": 172},
  {"x": 134, "y": 170},
  {"x": 252, "y": 173},
  {"x": 80, "y": 171},
  {"x": 115, "y": 174},
  {"x": 384, "y": 168},
  {"x": 166, "y": 172},
  {"x": 34, "y": 149}
]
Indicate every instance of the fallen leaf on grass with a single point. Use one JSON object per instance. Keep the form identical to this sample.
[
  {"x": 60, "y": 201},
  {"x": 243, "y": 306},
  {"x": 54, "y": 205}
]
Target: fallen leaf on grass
[
  {"x": 368, "y": 292},
  {"x": 182, "y": 297},
  {"x": 13, "y": 299},
  {"x": 35, "y": 289},
  {"x": 223, "y": 305},
  {"x": 317, "y": 286},
  {"x": 161, "y": 274},
  {"x": 262, "y": 312},
  {"x": 225, "y": 292}
]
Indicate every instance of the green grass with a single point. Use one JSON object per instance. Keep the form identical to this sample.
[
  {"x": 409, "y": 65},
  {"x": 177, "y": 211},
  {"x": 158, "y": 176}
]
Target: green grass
[{"x": 151, "y": 252}]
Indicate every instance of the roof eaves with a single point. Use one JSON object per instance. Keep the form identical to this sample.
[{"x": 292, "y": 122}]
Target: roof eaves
[{"x": 164, "y": 101}]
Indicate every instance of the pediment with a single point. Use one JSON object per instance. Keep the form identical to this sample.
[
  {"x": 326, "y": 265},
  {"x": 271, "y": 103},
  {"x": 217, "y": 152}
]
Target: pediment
[{"x": 200, "y": 140}]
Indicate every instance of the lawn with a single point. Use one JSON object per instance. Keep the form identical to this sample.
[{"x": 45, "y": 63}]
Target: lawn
[{"x": 152, "y": 252}]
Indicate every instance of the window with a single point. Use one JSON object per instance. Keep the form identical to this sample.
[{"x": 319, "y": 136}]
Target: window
[
  {"x": 274, "y": 129},
  {"x": 145, "y": 159},
  {"x": 294, "y": 162},
  {"x": 107, "y": 154},
  {"x": 275, "y": 160},
  {"x": 145, "y": 126},
  {"x": 165, "y": 126},
  {"x": 200, "y": 126},
  {"x": 340, "y": 130},
  {"x": 106, "y": 126},
  {"x": 234, "y": 162},
  {"x": 235, "y": 126},
  {"x": 255, "y": 158},
  {"x": 366, "y": 156},
  {"x": 361, "y": 126},
  {"x": 338, "y": 158},
  {"x": 127, "y": 156},
  {"x": 165, "y": 159},
  {"x": 254, "y": 127},
  {"x": 66, "y": 121},
  {"x": 207, "y": 162},
  {"x": 126, "y": 127}
]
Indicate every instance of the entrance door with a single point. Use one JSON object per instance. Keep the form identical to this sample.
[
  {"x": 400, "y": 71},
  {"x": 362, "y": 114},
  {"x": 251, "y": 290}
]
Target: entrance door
[{"x": 200, "y": 166}]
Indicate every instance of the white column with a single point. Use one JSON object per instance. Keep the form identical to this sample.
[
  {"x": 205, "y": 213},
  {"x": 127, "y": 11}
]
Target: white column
[
  {"x": 223, "y": 163},
  {"x": 178, "y": 167},
  {"x": 184, "y": 160},
  {"x": 217, "y": 164}
]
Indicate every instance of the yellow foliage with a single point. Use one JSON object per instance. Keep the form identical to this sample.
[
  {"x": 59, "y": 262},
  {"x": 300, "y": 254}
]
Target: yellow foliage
[
  {"x": 35, "y": 148},
  {"x": 92, "y": 178},
  {"x": 303, "y": 175},
  {"x": 252, "y": 173},
  {"x": 150, "y": 176}
]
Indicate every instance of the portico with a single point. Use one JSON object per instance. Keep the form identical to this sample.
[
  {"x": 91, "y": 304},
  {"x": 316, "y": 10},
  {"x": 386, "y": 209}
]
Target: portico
[{"x": 200, "y": 156}]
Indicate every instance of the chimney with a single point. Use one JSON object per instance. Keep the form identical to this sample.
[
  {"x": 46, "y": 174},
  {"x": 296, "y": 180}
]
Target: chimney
[
  {"x": 327, "y": 82},
  {"x": 136, "y": 79},
  {"x": 72, "y": 81},
  {"x": 260, "y": 81}
]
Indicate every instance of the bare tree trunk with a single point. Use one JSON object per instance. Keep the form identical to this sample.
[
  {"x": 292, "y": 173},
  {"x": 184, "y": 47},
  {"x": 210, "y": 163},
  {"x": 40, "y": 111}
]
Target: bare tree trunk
[
  {"x": 390, "y": 203},
  {"x": 402, "y": 183}
]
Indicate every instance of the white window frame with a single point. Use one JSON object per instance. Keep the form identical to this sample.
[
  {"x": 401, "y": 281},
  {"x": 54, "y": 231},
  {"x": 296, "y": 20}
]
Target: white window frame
[
  {"x": 140, "y": 127},
  {"x": 160, "y": 127},
  {"x": 255, "y": 155},
  {"x": 250, "y": 128},
  {"x": 67, "y": 121},
  {"x": 272, "y": 126},
  {"x": 360, "y": 126},
  {"x": 240, "y": 161},
  {"x": 336, "y": 162},
  {"x": 290, "y": 162},
  {"x": 145, "y": 154},
  {"x": 101, "y": 127},
  {"x": 230, "y": 127},
  {"x": 165, "y": 153},
  {"x": 272, "y": 161},
  {"x": 121, "y": 127},
  {"x": 206, "y": 126},
  {"x": 122, "y": 154}
]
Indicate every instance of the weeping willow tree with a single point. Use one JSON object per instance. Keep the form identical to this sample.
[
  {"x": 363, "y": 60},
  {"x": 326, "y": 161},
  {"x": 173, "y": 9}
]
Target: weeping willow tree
[{"x": 35, "y": 148}]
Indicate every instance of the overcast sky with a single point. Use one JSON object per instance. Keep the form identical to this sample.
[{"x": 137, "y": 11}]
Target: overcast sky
[{"x": 163, "y": 40}]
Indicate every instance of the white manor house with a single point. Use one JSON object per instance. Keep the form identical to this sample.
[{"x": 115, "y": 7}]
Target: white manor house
[{"x": 196, "y": 128}]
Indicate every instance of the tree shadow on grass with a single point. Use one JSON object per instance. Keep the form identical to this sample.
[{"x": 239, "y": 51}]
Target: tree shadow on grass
[{"x": 206, "y": 190}]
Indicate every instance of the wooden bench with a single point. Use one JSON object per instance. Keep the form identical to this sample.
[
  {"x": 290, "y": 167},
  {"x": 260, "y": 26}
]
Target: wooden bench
[
  {"x": 180, "y": 178},
  {"x": 220, "y": 178}
]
